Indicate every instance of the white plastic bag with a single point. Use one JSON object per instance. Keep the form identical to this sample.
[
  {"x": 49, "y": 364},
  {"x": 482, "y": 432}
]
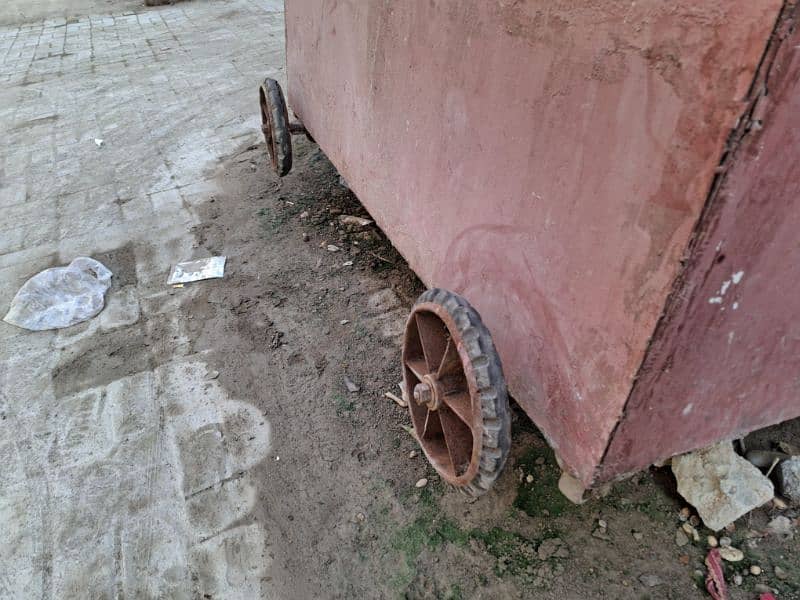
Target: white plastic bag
[{"x": 61, "y": 296}]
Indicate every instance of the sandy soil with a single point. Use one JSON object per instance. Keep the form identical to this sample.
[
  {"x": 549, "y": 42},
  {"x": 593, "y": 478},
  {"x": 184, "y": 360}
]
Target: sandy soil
[{"x": 337, "y": 495}]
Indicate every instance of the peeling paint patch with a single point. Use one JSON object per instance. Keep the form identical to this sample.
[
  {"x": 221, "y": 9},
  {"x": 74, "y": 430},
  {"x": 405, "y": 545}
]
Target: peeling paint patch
[
  {"x": 715, "y": 300},
  {"x": 737, "y": 277},
  {"x": 735, "y": 305},
  {"x": 725, "y": 285},
  {"x": 687, "y": 409}
]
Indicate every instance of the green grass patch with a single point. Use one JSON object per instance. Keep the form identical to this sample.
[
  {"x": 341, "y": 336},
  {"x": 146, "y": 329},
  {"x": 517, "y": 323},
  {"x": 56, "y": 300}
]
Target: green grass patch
[
  {"x": 428, "y": 530},
  {"x": 542, "y": 494},
  {"x": 514, "y": 554}
]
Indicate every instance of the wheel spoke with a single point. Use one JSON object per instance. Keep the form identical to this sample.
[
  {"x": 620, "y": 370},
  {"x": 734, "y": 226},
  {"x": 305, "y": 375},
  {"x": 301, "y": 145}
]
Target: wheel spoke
[
  {"x": 433, "y": 336},
  {"x": 451, "y": 362},
  {"x": 433, "y": 426},
  {"x": 439, "y": 455},
  {"x": 461, "y": 405},
  {"x": 418, "y": 367},
  {"x": 459, "y": 439}
]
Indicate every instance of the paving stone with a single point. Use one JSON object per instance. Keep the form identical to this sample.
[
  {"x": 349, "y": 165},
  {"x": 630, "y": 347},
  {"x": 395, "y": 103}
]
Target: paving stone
[{"x": 117, "y": 450}]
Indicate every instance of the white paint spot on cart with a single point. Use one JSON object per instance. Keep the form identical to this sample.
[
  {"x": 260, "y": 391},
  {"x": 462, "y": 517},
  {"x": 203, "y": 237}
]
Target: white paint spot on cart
[
  {"x": 725, "y": 285},
  {"x": 687, "y": 409},
  {"x": 735, "y": 305},
  {"x": 715, "y": 300},
  {"x": 730, "y": 337},
  {"x": 737, "y": 277}
]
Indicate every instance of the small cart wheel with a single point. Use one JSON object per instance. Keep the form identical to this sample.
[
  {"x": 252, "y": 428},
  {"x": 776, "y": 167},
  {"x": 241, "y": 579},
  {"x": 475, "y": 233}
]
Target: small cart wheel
[
  {"x": 456, "y": 391},
  {"x": 275, "y": 125}
]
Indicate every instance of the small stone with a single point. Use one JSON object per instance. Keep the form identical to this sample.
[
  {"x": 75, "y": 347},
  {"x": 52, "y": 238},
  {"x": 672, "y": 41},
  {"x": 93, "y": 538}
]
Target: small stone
[
  {"x": 361, "y": 517},
  {"x": 344, "y": 322},
  {"x": 602, "y": 524},
  {"x": 788, "y": 476},
  {"x": 712, "y": 541},
  {"x": 680, "y": 538},
  {"x": 694, "y": 520},
  {"x": 529, "y": 479},
  {"x": 412, "y": 454},
  {"x": 755, "y": 570},
  {"x": 738, "y": 579},
  {"x": 333, "y": 248},
  {"x": 731, "y": 554},
  {"x": 725, "y": 541},
  {"x": 687, "y": 528},
  {"x": 358, "y": 222},
  {"x": 548, "y": 548},
  {"x": 572, "y": 488},
  {"x": 648, "y": 580},
  {"x": 720, "y": 484},
  {"x": 351, "y": 385},
  {"x": 781, "y": 525},
  {"x": 779, "y": 504},
  {"x": 562, "y": 552},
  {"x": 347, "y": 263},
  {"x": 780, "y": 573},
  {"x": 760, "y": 588},
  {"x": 213, "y": 374},
  {"x": 638, "y": 536},
  {"x": 684, "y": 514},
  {"x": 421, "y": 483},
  {"x": 306, "y": 237},
  {"x": 304, "y": 214}
]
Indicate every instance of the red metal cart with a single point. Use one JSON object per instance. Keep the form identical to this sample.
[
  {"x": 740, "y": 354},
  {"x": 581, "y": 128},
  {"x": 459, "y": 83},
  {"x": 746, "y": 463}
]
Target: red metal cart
[{"x": 612, "y": 185}]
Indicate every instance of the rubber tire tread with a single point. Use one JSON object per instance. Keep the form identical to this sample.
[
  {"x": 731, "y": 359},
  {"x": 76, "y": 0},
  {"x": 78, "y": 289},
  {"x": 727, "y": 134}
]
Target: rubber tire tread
[
  {"x": 496, "y": 437},
  {"x": 281, "y": 137}
]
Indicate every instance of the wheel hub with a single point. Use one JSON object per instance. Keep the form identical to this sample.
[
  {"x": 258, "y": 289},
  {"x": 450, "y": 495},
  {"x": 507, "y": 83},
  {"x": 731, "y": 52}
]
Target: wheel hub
[{"x": 429, "y": 392}]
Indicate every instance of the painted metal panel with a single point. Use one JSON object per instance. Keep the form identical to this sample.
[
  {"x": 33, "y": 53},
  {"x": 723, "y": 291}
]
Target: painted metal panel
[
  {"x": 726, "y": 358},
  {"x": 546, "y": 160}
]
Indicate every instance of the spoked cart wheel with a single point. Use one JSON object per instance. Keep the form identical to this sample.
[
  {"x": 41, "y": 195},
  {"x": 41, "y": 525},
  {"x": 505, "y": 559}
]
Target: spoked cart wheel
[
  {"x": 456, "y": 391},
  {"x": 277, "y": 128}
]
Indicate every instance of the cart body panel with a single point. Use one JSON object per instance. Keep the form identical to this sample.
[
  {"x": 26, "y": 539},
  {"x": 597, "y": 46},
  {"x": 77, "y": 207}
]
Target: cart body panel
[
  {"x": 729, "y": 345},
  {"x": 546, "y": 161}
]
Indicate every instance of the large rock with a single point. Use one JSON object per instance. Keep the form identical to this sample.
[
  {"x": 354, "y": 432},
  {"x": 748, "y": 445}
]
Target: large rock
[
  {"x": 789, "y": 479},
  {"x": 720, "y": 484}
]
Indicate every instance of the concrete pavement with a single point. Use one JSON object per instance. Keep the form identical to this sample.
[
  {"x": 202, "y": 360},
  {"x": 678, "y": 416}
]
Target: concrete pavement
[{"x": 124, "y": 467}]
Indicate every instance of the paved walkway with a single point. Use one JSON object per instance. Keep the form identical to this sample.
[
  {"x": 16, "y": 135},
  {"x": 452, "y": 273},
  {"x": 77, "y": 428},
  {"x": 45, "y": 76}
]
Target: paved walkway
[{"x": 114, "y": 438}]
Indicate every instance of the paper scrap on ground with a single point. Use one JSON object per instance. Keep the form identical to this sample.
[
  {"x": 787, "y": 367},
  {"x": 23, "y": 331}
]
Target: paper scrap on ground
[
  {"x": 61, "y": 296},
  {"x": 196, "y": 270}
]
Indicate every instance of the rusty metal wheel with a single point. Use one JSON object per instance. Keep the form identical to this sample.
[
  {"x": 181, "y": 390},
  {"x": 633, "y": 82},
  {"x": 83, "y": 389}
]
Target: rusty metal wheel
[
  {"x": 275, "y": 125},
  {"x": 456, "y": 391}
]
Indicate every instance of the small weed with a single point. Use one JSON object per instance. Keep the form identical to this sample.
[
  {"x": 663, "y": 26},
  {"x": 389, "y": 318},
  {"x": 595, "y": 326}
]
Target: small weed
[
  {"x": 514, "y": 553},
  {"x": 428, "y": 530},
  {"x": 343, "y": 406}
]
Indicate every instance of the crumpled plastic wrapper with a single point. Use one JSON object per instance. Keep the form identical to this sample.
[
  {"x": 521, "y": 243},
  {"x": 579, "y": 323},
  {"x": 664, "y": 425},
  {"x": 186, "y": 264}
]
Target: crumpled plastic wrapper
[{"x": 61, "y": 296}]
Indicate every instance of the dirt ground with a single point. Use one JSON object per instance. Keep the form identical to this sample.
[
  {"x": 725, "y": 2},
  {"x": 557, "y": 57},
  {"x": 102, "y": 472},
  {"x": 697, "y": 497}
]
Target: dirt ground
[
  {"x": 201, "y": 442},
  {"x": 285, "y": 327}
]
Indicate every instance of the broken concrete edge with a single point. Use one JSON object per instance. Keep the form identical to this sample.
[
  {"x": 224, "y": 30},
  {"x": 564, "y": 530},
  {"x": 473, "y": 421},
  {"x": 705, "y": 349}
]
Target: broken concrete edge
[
  {"x": 788, "y": 478},
  {"x": 720, "y": 484}
]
